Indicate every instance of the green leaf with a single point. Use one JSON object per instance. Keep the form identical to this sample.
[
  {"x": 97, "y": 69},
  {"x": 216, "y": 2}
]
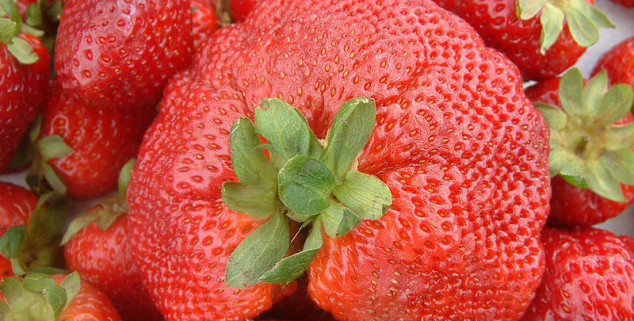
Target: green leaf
[
  {"x": 124, "y": 177},
  {"x": 593, "y": 13},
  {"x": 577, "y": 181},
  {"x": 305, "y": 185},
  {"x": 293, "y": 266},
  {"x": 616, "y": 103},
  {"x": 554, "y": 116},
  {"x": 592, "y": 95},
  {"x": 247, "y": 157},
  {"x": 78, "y": 224},
  {"x": 34, "y": 31},
  {"x": 619, "y": 137},
  {"x": 53, "y": 146},
  {"x": 527, "y": 9},
  {"x": 552, "y": 21},
  {"x": 11, "y": 241},
  {"x": 314, "y": 148},
  {"x": 615, "y": 164},
  {"x": 558, "y": 158},
  {"x": 38, "y": 282},
  {"x": 583, "y": 30},
  {"x": 10, "y": 9},
  {"x": 8, "y": 30},
  {"x": 54, "y": 179},
  {"x": 54, "y": 10},
  {"x": 365, "y": 195},
  {"x": 601, "y": 182},
  {"x": 34, "y": 15},
  {"x": 254, "y": 200},
  {"x": 288, "y": 135},
  {"x": 258, "y": 252},
  {"x": 570, "y": 89},
  {"x": 351, "y": 129},
  {"x": 71, "y": 284},
  {"x": 22, "y": 51},
  {"x": 338, "y": 220}
]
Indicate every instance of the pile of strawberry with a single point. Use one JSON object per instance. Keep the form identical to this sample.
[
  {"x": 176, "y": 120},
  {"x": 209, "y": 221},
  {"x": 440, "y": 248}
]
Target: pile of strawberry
[{"x": 313, "y": 160}]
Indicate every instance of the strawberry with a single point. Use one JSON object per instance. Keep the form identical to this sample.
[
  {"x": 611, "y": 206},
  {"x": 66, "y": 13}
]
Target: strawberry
[
  {"x": 24, "y": 72},
  {"x": 240, "y": 9},
  {"x": 121, "y": 53},
  {"x": 452, "y": 144},
  {"x": 204, "y": 21},
  {"x": 543, "y": 38},
  {"x": 589, "y": 276},
  {"x": 30, "y": 230},
  {"x": 625, "y": 3},
  {"x": 109, "y": 266},
  {"x": 81, "y": 149},
  {"x": 590, "y": 150},
  {"x": 50, "y": 298},
  {"x": 618, "y": 62}
]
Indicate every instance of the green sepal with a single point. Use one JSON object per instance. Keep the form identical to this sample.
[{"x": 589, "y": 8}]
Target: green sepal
[
  {"x": 584, "y": 20},
  {"x": 34, "y": 15},
  {"x": 591, "y": 96},
  {"x": 600, "y": 181},
  {"x": 619, "y": 165},
  {"x": 293, "y": 266},
  {"x": 249, "y": 163},
  {"x": 53, "y": 146},
  {"x": 258, "y": 201},
  {"x": 22, "y": 51},
  {"x": 350, "y": 132},
  {"x": 575, "y": 180},
  {"x": 288, "y": 134},
  {"x": 527, "y": 9},
  {"x": 125, "y": 174},
  {"x": 72, "y": 285},
  {"x": 616, "y": 103},
  {"x": 54, "y": 10},
  {"x": 338, "y": 220},
  {"x": 104, "y": 214},
  {"x": 554, "y": 116},
  {"x": 258, "y": 252},
  {"x": 619, "y": 137},
  {"x": 11, "y": 241},
  {"x": 570, "y": 92},
  {"x": 305, "y": 185},
  {"x": 552, "y": 20},
  {"x": 364, "y": 194},
  {"x": 8, "y": 30}
]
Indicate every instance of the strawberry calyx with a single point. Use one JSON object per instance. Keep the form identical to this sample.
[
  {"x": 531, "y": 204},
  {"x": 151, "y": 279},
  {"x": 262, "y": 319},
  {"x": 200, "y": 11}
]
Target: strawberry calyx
[
  {"x": 35, "y": 244},
  {"x": 106, "y": 211},
  {"x": 583, "y": 19},
  {"x": 588, "y": 149},
  {"x": 37, "y": 296},
  {"x": 11, "y": 26},
  {"x": 302, "y": 181}
]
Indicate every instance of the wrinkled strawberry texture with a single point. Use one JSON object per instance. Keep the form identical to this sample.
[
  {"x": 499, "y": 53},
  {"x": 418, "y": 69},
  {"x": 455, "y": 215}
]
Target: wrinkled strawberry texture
[{"x": 461, "y": 148}]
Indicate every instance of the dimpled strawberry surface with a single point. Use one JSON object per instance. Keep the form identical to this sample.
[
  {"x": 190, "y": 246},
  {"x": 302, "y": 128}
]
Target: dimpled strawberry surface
[{"x": 462, "y": 150}]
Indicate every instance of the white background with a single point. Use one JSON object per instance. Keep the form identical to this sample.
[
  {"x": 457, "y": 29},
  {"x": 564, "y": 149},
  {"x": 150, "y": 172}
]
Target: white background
[{"x": 624, "y": 20}]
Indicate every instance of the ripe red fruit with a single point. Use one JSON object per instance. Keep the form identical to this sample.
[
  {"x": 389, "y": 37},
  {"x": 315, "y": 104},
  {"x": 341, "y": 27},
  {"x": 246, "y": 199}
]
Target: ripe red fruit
[
  {"x": 16, "y": 205},
  {"x": 625, "y": 3},
  {"x": 517, "y": 31},
  {"x": 619, "y": 63},
  {"x": 204, "y": 21},
  {"x": 120, "y": 54},
  {"x": 585, "y": 139},
  {"x": 589, "y": 276},
  {"x": 460, "y": 147},
  {"x": 240, "y": 9},
  {"x": 99, "y": 142}
]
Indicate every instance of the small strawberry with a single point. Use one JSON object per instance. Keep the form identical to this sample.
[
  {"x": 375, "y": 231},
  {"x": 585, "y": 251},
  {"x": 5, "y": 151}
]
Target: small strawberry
[
  {"x": 24, "y": 73},
  {"x": 81, "y": 149},
  {"x": 591, "y": 147},
  {"x": 109, "y": 266},
  {"x": 120, "y": 54},
  {"x": 618, "y": 62},
  {"x": 30, "y": 230},
  {"x": 204, "y": 21},
  {"x": 589, "y": 276},
  {"x": 543, "y": 38},
  {"x": 43, "y": 297}
]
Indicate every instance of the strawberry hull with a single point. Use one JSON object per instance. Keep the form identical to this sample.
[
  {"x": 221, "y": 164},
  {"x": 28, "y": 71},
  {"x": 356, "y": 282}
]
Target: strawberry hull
[{"x": 463, "y": 151}]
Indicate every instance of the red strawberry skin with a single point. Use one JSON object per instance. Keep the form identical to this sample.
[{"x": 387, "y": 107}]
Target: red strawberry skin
[
  {"x": 89, "y": 304},
  {"x": 462, "y": 149},
  {"x": 103, "y": 140},
  {"x": 619, "y": 62},
  {"x": 16, "y": 205},
  {"x": 589, "y": 276},
  {"x": 240, "y": 9},
  {"x": 104, "y": 259},
  {"x": 22, "y": 93},
  {"x": 625, "y": 3},
  {"x": 497, "y": 22},
  {"x": 121, "y": 53},
  {"x": 571, "y": 205},
  {"x": 204, "y": 21}
]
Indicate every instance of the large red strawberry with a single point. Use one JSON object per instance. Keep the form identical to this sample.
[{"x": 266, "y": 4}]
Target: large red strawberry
[
  {"x": 108, "y": 266},
  {"x": 461, "y": 150},
  {"x": 618, "y": 62},
  {"x": 112, "y": 53},
  {"x": 589, "y": 276},
  {"x": 51, "y": 298},
  {"x": 24, "y": 73},
  {"x": 81, "y": 149},
  {"x": 543, "y": 38},
  {"x": 591, "y": 152},
  {"x": 30, "y": 230}
]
